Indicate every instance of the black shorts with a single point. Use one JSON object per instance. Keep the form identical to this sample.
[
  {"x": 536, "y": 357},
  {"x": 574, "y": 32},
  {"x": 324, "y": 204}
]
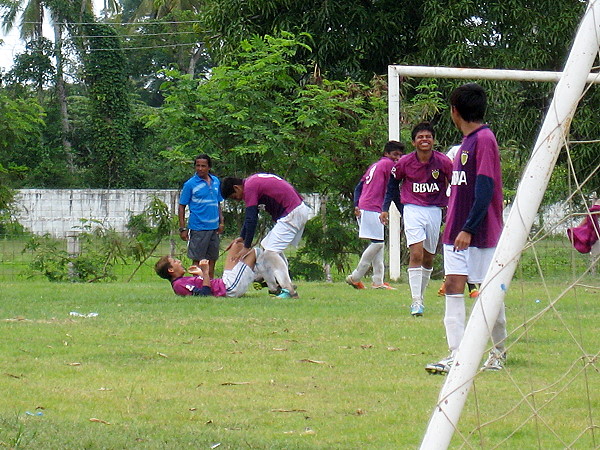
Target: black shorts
[{"x": 203, "y": 244}]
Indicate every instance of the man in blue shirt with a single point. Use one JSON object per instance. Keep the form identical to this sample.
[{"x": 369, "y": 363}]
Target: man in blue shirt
[{"x": 202, "y": 195}]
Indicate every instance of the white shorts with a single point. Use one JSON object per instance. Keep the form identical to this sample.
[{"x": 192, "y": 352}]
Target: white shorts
[
  {"x": 238, "y": 279},
  {"x": 472, "y": 262},
  {"x": 422, "y": 224},
  {"x": 369, "y": 225},
  {"x": 287, "y": 230}
]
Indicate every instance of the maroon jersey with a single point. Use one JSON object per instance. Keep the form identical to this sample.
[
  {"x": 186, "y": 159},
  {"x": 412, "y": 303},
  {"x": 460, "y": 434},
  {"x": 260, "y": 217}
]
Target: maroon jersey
[
  {"x": 374, "y": 182},
  {"x": 278, "y": 196},
  {"x": 476, "y": 164},
  {"x": 423, "y": 184}
]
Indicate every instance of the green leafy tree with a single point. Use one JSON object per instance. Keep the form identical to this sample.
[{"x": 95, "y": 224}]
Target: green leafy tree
[
  {"x": 258, "y": 114},
  {"x": 21, "y": 126},
  {"x": 104, "y": 67},
  {"x": 350, "y": 38}
]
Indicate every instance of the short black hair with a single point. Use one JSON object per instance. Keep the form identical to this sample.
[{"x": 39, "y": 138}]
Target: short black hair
[
  {"x": 203, "y": 156},
  {"x": 423, "y": 126},
  {"x": 227, "y": 185},
  {"x": 470, "y": 100},
  {"x": 391, "y": 146},
  {"x": 162, "y": 267}
]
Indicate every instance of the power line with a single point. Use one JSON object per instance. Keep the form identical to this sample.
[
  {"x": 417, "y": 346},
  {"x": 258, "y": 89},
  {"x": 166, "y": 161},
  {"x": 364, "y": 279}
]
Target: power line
[
  {"x": 157, "y": 22},
  {"x": 139, "y": 48},
  {"x": 174, "y": 33}
]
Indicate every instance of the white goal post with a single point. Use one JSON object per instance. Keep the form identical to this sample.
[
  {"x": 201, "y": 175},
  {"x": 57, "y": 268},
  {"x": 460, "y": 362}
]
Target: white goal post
[{"x": 570, "y": 86}]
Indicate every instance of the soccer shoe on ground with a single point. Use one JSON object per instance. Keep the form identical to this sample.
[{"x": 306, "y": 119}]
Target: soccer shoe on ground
[
  {"x": 354, "y": 284},
  {"x": 416, "y": 309},
  {"x": 286, "y": 294},
  {"x": 442, "y": 290},
  {"x": 383, "y": 286},
  {"x": 276, "y": 292},
  {"x": 495, "y": 360},
  {"x": 473, "y": 293},
  {"x": 258, "y": 285},
  {"x": 441, "y": 367}
]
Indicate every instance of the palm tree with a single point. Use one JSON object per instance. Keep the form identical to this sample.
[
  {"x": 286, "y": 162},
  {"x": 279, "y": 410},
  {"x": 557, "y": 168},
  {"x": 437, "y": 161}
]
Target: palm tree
[{"x": 32, "y": 17}]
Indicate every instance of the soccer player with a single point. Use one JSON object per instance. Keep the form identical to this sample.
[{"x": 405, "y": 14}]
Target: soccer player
[
  {"x": 202, "y": 195},
  {"x": 473, "y": 223},
  {"x": 425, "y": 175},
  {"x": 288, "y": 211},
  {"x": 368, "y": 198},
  {"x": 237, "y": 275},
  {"x": 472, "y": 288}
]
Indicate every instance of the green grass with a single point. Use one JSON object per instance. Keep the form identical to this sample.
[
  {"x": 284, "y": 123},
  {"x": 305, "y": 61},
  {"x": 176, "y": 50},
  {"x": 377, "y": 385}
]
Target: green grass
[{"x": 337, "y": 368}]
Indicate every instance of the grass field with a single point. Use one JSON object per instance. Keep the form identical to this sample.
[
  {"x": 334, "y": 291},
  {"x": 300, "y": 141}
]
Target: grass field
[{"x": 335, "y": 369}]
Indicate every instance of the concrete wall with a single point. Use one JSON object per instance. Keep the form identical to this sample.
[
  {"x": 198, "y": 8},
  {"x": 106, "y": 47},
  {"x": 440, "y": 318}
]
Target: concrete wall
[{"x": 59, "y": 211}]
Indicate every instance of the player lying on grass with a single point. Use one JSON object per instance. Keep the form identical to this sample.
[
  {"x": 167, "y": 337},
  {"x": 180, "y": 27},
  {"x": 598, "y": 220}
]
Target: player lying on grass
[{"x": 237, "y": 275}]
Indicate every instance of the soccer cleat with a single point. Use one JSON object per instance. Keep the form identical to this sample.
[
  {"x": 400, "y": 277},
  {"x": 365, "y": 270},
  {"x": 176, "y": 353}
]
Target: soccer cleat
[
  {"x": 354, "y": 284},
  {"x": 442, "y": 290},
  {"x": 416, "y": 309},
  {"x": 276, "y": 292},
  {"x": 286, "y": 294},
  {"x": 258, "y": 285},
  {"x": 473, "y": 293},
  {"x": 383, "y": 286},
  {"x": 495, "y": 360},
  {"x": 441, "y": 367}
]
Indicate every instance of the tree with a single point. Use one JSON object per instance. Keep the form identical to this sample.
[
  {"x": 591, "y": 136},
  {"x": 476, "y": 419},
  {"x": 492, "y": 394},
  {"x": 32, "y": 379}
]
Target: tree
[
  {"x": 360, "y": 38},
  {"x": 351, "y": 38},
  {"x": 21, "y": 124},
  {"x": 255, "y": 115},
  {"x": 104, "y": 65}
]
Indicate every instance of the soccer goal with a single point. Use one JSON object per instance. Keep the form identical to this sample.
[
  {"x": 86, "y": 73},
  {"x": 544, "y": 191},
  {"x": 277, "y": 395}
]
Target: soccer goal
[{"x": 578, "y": 381}]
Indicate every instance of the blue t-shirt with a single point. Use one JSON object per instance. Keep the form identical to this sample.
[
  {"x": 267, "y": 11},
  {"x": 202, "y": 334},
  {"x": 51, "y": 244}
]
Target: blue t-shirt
[{"x": 203, "y": 201}]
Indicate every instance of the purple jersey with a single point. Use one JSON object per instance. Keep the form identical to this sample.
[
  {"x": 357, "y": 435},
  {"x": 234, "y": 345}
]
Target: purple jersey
[
  {"x": 478, "y": 157},
  {"x": 375, "y": 181},
  {"x": 278, "y": 196},
  {"x": 186, "y": 285},
  {"x": 423, "y": 184}
]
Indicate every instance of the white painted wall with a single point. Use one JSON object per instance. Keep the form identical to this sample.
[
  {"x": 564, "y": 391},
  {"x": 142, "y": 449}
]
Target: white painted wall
[{"x": 59, "y": 211}]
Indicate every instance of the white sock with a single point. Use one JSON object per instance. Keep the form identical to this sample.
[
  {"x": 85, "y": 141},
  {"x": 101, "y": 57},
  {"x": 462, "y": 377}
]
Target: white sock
[
  {"x": 454, "y": 320},
  {"x": 415, "y": 279},
  {"x": 425, "y": 280},
  {"x": 366, "y": 260},
  {"x": 499, "y": 331},
  {"x": 276, "y": 263},
  {"x": 378, "y": 266}
]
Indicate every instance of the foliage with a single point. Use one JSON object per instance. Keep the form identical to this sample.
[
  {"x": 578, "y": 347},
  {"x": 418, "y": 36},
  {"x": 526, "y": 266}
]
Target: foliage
[
  {"x": 331, "y": 236},
  {"x": 21, "y": 125},
  {"x": 175, "y": 41},
  {"x": 100, "y": 247},
  {"x": 104, "y": 66},
  {"x": 49, "y": 258},
  {"x": 292, "y": 80},
  {"x": 350, "y": 38},
  {"x": 148, "y": 229},
  {"x": 33, "y": 65},
  {"x": 255, "y": 115}
]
